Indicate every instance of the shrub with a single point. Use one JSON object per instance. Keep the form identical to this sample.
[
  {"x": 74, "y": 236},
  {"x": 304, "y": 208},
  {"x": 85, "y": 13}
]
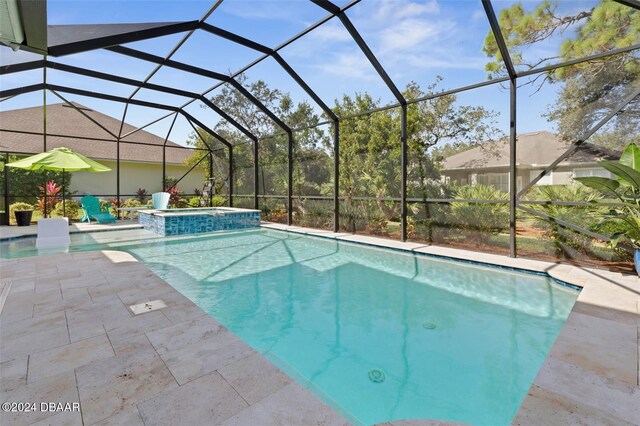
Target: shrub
[
  {"x": 479, "y": 221},
  {"x": 278, "y": 215},
  {"x": 626, "y": 190},
  {"x": 72, "y": 209},
  {"x": 315, "y": 213},
  {"x": 141, "y": 196},
  {"x": 219, "y": 200},
  {"x": 352, "y": 216},
  {"x": 273, "y": 210},
  {"x": 105, "y": 205},
  {"x": 131, "y": 202},
  {"x": 377, "y": 224},
  {"x": 584, "y": 217},
  {"x": 411, "y": 228},
  {"x": 16, "y": 207},
  {"x": 194, "y": 201}
]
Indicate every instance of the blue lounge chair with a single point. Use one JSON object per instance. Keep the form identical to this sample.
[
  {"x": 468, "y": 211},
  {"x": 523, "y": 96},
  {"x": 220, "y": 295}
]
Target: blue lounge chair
[
  {"x": 160, "y": 200},
  {"x": 92, "y": 210}
]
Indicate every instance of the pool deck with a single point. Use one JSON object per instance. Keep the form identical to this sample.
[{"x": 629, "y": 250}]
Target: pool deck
[{"x": 68, "y": 336}]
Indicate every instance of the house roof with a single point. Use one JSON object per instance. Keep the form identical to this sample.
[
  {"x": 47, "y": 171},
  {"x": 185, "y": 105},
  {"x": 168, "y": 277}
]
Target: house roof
[
  {"x": 63, "y": 119},
  {"x": 534, "y": 150}
]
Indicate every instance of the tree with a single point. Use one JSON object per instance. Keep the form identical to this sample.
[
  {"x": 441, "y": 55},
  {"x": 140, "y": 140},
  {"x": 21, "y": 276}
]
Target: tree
[
  {"x": 311, "y": 146},
  {"x": 442, "y": 122},
  {"x": 590, "y": 89},
  {"x": 370, "y": 147}
]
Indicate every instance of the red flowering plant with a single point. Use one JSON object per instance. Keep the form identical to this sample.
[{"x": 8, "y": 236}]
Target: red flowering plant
[
  {"x": 113, "y": 205},
  {"x": 175, "y": 196},
  {"x": 51, "y": 189}
]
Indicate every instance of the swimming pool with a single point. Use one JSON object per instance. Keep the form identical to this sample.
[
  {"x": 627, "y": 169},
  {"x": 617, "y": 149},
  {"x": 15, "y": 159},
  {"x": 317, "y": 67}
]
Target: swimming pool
[{"x": 378, "y": 334}]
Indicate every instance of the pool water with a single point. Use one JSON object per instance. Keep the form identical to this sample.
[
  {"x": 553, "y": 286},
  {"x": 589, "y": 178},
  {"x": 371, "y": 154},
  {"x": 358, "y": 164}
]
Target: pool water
[{"x": 379, "y": 335}]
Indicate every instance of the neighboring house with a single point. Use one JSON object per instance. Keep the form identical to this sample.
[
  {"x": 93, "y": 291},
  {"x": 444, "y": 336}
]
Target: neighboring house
[
  {"x": 489, "y": 164},
  {"x": 140, "y": 165}
]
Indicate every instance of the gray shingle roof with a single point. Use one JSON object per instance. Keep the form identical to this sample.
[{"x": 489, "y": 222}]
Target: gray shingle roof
[
  {"x": 538, "y": 149},
  {"x": 65, "y": 120}
]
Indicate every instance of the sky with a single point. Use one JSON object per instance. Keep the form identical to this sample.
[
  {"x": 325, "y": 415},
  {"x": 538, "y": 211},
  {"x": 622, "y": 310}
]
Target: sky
[{"x": 414, "y": 40}]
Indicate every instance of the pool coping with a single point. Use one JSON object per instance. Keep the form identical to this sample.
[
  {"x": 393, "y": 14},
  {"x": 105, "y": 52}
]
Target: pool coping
[
  {"x": 592, "y": 372},
  {"x": 197, "y": 211},
  {"x": 32, "y": 230}
]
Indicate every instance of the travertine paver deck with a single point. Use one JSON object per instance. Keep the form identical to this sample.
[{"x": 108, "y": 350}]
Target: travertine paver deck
[
  {"x": 66, "y": 335},
  {"x": 592, "y": 374},
  {"x": 7, "y": 232}
]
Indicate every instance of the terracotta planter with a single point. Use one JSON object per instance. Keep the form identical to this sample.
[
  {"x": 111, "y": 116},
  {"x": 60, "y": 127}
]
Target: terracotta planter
[{"x": 23, "y": 217}]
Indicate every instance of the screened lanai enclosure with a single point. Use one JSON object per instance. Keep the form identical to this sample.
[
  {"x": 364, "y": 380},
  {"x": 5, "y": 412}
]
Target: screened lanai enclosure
[{"x": 457, "y": 123}]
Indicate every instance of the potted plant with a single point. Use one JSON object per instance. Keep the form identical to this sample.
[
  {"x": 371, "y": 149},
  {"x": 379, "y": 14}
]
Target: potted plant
[
  {"x": 22, "y": 212},
  {"x": 626, "y": 189}
]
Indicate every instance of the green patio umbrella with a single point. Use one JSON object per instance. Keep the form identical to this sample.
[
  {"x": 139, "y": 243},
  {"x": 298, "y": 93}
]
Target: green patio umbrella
[{"x": 60, "y": 160}]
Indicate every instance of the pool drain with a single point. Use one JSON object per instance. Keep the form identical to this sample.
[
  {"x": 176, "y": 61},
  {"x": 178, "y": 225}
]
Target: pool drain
[
  {"x": 429, "y": 325},
  {"x": 377, "y": 376}
]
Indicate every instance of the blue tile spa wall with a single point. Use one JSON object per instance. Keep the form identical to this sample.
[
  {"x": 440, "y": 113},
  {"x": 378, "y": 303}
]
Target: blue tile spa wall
[{"x": 197, "y": 223}]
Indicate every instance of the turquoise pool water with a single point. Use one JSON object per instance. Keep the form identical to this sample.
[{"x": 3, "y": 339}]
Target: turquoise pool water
[{"x": 452, "y": 341}]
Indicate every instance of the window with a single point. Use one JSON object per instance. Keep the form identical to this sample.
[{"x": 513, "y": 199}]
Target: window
[
  {"x": 544, "y": 180},
  {"x": 595, "y": 171},
  {"x": 500, "y": 181},
  {"x": 497, "y": 180}
]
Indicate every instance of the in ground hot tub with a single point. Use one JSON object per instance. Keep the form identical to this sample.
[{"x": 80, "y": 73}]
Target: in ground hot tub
[{"x": 197, "y": 220}]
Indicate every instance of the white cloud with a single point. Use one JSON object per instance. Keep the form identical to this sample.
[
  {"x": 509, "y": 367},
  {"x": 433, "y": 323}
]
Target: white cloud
[
  {"x": 350, "y": 64},
  {"x": 425, "y": 62},
  {"x": 329, "y": 32},
  {"x": 410, "y": 33},
  {"x": 262, "y": 10},
  {"x": 479, "y": 15},
  {"x": 393, "y": 10}
]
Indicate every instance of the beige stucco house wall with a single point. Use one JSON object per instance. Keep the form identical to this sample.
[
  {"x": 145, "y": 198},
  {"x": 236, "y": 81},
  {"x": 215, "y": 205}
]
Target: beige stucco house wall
[{"x": 134, "y": 175}]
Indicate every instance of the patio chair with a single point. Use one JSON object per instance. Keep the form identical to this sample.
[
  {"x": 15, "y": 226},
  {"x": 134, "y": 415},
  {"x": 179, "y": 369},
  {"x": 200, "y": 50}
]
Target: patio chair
[
  {"x": 92, "y": 210},
  {"x": 160, "y": 200}
]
